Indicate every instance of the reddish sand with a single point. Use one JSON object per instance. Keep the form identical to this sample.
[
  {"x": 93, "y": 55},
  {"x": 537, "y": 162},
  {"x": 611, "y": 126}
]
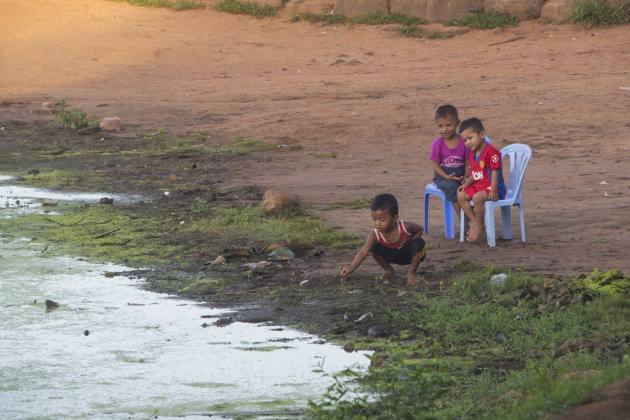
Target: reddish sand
[{"x": 364, "y": 93}]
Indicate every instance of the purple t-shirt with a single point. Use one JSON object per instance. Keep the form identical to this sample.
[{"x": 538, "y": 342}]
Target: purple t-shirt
[{"x": 445, "y": 156}]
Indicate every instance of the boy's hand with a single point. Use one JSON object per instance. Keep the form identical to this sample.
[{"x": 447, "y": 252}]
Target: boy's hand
[
  {"x": 493, "y": 195},
  {"x": 345, "y": 271},
  {"x": 452, "y": 177}
]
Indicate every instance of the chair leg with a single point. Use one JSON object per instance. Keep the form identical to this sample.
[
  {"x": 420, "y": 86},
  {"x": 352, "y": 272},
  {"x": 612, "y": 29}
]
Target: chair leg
[
  {"x": 506, "y": 222},
  {"x": 449, "y": 219},
  {"x": 462, "y": 226},
  {"x": 426, "y": 213},
  {"x": 522, "y": 217},
  {"x": 489, "y": 220}
]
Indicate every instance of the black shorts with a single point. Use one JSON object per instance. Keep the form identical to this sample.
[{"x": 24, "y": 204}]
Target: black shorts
[{"x": 403, "y": 255}]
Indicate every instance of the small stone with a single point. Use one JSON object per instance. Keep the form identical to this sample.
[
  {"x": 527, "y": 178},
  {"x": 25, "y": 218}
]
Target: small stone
[
  {"x": 50, "y": 202},
  {"x": 111, "y": 124},
  {"x": 270, "y": 248},
  {"x": 276, "y": 202},
  {"x": 281, "y": 254},
  {"x": 86, "y": 333},
  {"x": 379, "y": 331},
  {"x": 259, "y": 266},
  {"x": 513, "y": 395},
  {"x": 349, "y": 347},
  {"x": 106, "y": 200},
  {"x": 48, "y": 107},
  {"x": 219, "y": 260},
  {"x": 498, "y": 279},
  {"x": 51, "y": 304},
  {"x": 300, "y": 244}
]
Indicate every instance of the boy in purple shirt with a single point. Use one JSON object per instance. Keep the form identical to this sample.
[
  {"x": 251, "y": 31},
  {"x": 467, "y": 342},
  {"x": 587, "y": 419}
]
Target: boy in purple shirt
[{"x": 448, "y": 153}]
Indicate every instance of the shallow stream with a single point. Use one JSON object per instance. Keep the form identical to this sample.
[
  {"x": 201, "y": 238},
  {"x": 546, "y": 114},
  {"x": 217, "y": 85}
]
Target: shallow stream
[{"x": 112, "y": 350}]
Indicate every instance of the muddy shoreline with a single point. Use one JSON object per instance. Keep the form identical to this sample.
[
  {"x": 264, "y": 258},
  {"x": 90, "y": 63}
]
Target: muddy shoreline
[{"x": 301, "y": 292}]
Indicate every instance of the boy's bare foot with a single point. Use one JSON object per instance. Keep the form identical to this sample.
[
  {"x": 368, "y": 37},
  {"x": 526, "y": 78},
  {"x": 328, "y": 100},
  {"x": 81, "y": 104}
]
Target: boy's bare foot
[
  {"x": 474, "y": 233},
  {"x": 388, "y": 275},
  {"x": 412, "y": 279}
]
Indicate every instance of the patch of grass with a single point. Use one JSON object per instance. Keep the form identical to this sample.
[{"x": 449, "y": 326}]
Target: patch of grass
[
  {"x": 250, "y": 224},
  {"x": 245, "y": 8},
  {"x": 321, "y": 18},
  {"x": 242, "y": 146},
  {"x": 177, "y": 5},
  {"x": 74, "y": 119},
  {"x": 440, "y": 35},
  {"x": 482, "y": 351},
  {"x": 331, "y": 155},
  {"x": 484, "y": 20},
  {"x": 158, "y": 133},
  {"x": 356, "y": 204},
  {"x": 379, "y": 18},
  {"x": 590, "y": 13},
  {"x": 410, "y": 31}
]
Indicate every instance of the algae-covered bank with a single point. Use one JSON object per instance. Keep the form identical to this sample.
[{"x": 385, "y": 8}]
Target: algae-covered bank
[{"x": 456, "y": 346}]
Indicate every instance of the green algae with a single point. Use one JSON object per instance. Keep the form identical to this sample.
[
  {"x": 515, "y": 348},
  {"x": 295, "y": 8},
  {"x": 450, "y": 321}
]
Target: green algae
[
  {"x": 612, "y": 282},
  {"x": 264, "y": 348},
  {"x": 121, "y": 234}
]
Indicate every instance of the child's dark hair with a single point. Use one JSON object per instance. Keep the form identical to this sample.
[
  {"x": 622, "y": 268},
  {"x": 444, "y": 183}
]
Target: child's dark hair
[
  {"x": 385, "y": 202},
  {"x": 446, "y": 111},
  {"x": 473, "y": 123}
]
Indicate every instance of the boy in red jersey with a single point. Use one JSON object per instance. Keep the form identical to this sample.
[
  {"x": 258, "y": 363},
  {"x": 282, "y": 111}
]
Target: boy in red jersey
[
  {"x": 485, "y": 177},
  {"x": 391, "y": 241}
]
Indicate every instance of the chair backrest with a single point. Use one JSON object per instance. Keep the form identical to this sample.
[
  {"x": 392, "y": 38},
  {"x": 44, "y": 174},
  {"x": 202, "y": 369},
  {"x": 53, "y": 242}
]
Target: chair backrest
[{"x": 519, "y": 158}]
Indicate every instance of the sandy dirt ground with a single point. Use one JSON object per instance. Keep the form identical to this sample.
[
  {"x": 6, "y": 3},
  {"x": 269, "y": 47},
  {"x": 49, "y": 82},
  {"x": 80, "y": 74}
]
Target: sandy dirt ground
[{"x": 364, "y": 94}]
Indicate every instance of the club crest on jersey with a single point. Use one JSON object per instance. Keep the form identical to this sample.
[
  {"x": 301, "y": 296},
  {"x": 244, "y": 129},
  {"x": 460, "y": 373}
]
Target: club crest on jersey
[{"x": 482, "y": 164}]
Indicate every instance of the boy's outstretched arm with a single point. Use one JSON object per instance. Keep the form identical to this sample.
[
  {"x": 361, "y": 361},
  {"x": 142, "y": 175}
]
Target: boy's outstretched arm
[{"x": 363, "y": 252}]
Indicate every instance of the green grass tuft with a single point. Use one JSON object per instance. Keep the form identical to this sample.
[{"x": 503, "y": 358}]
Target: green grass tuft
[
  {"x": 590, "y": 13},
  {"x": 379, "y": 18},
  {"x": 484, "y": 20},
  {"x": 356, "y": 204},
  {"x": 250, "y": 224},
  {"x": 242, "y": 146},
  {"x": 178, "y": 5},
  {"x": 246, "y": 8},
  {"x": 321, "y": 18},
  {"x": 74, "y": 119}
]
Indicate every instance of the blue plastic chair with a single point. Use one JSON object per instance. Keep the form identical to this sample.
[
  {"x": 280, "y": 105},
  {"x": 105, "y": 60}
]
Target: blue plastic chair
[
  {"x": 519, "y": 155},
  {"x": 448, "y": 210}
]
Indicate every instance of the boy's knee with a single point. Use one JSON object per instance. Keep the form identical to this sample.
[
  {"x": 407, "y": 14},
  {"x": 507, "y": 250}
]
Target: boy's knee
[{"x": 479, "y": 198}]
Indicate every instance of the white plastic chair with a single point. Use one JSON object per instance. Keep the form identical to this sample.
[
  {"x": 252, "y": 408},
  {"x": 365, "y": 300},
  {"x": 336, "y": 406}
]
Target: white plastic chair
[{"x": 519, "y": 155}]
